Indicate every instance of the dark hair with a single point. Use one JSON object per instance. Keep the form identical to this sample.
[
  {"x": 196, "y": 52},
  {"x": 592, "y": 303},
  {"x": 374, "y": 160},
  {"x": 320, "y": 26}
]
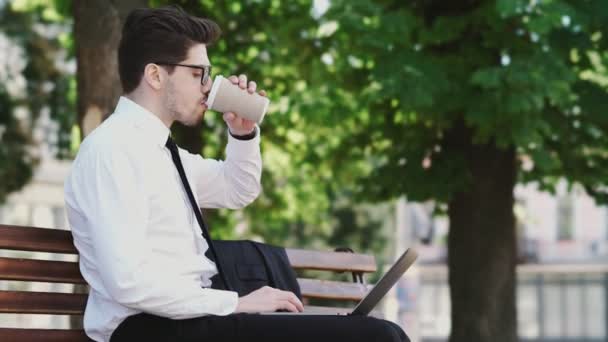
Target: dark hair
[{"x": 159, "y": 34}]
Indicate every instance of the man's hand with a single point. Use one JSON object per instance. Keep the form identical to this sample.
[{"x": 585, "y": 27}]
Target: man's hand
[
  {"x": 268, "y": 299},
  {"x": 236, "y": 124}
]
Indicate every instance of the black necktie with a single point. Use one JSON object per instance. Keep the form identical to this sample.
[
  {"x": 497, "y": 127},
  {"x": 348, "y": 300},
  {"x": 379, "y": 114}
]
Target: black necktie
[{"x": 170, "y": 144}]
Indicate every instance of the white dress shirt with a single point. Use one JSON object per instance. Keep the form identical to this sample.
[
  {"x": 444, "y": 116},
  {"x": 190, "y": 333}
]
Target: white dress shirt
[{"x": 140, "y": 246}]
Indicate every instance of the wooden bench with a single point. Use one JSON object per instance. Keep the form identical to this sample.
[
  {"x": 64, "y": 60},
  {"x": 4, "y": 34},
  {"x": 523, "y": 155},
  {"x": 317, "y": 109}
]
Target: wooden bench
[{"x": 18, "y": 238}]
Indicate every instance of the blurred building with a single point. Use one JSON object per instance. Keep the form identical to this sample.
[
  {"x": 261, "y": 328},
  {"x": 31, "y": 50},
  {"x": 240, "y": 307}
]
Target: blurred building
[
  {"x": 568, "y": 227},
  {"x": 562, "y": 290}
]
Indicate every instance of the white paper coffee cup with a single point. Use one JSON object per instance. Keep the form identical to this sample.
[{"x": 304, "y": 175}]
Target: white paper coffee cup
[{"x": 228, "y": 97}]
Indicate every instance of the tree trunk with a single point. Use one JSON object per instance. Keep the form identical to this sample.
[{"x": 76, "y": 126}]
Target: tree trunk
[
  {"x": 482, "y": 245},
  {"x": 97, "y": 31}
]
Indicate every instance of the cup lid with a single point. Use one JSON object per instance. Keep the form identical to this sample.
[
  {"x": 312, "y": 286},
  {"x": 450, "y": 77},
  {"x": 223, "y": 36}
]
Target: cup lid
[{"x": 214, "y": 88}]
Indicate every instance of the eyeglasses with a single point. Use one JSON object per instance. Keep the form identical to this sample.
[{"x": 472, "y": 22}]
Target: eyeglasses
[{"x": 206, "y": 69}]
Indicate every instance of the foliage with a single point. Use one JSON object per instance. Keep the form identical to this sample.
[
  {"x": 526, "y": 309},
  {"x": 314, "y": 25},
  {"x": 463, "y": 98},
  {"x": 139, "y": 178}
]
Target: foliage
[
  {"x": 35, "y": 79},
  {"x": 364, "y": 95},
  {"x": 366, "y": 99},
  {"x": 302, "y": 204},
  {"x": 529, "y": 74}
]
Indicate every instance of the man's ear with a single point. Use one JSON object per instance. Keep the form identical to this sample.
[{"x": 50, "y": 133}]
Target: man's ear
[{"x": 154, "y": 76}]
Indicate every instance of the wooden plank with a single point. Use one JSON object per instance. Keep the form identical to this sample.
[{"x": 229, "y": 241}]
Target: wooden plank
[
  {"x": 67, "y": 303},
  {"x": 42, "y": 302},
  {"x": 60, "y": 241},
  {"x": 40, "y": 270},
  {"x": 42, "y": 335},
  {"x": 329, "y": 289},
  {"x": 331, "y": 261},
  {"x": 36, "y": 239}
]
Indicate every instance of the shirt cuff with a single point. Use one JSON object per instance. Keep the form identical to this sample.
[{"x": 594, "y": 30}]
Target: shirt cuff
[
  {"x": 246, "y": 136},
  {"x": 226, "y": 302},
  {"x": 244, "y": 148}
]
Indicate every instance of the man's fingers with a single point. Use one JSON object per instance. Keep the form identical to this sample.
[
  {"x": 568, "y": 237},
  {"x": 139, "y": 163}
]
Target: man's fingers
[
  {"x": 229, "y": 116},
  {"x": 284, "y": 300},
  {"x": 293, "y": 300},
  {"x": 286, "y": 305},
  {"x": 242, "y": 81},
  {"x": 296, "y": 302},
  {"x": 252, "y": 87}
]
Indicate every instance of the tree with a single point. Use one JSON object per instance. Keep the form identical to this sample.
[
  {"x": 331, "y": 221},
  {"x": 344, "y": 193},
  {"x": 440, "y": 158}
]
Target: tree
[
  {"x": 301, "y": 204},
  {"x": 33, "y": 78},
  {"x": 455, "y": 101},
  {"x": 444, "y": 100},
  {"x": 96, "y": 53}
]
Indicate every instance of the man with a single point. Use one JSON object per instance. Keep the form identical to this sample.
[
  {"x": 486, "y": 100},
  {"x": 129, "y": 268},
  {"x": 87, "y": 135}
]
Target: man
[{"x": 132, "y": 200}]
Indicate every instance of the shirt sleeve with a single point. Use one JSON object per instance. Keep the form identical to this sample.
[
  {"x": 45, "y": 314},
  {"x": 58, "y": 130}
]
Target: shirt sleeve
[
  {"x": 232, "y": 183},
  {"x": 113, "y": 202}
]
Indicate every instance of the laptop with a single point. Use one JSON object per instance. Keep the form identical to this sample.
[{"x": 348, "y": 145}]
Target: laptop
[{"x": 373, "y": 297}]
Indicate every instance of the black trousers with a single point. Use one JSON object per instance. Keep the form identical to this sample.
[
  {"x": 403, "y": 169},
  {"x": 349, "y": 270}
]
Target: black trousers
[{"x": 255, "y": 327}]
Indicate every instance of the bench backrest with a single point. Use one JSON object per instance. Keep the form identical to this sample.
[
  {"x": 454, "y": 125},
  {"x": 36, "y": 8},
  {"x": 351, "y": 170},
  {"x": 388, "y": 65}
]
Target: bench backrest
[{"x": 60, "y": 241}]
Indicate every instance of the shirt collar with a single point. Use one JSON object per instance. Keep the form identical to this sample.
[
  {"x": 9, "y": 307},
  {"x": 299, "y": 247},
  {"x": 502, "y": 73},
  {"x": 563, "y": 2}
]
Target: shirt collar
[{"x": 142, "y": 118}]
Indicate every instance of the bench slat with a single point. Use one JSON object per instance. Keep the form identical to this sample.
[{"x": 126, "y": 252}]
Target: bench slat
[
  {"x": 40, "y": 270},
  {"x": 36, "y": 239},
  {"x": 328, "y": 289},
  {"x": 331, "y": 261},
  {"x": 42, "y": 303},
  {"x": 67, "y": 303},
  {"x": 60, "y": 241},
  {"x": 42, "y": 335}
]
